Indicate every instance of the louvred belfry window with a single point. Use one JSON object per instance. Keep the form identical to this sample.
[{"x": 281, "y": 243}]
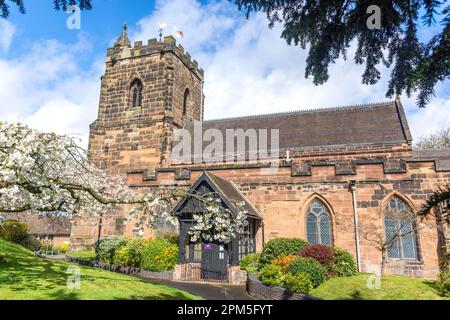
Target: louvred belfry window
[
  {"x": 136, "y": 93},
  {"x": 186, "y": 101}
]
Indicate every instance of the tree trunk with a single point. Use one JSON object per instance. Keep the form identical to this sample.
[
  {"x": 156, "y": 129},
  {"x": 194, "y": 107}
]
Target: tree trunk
[{"x": 383, "y": 261}]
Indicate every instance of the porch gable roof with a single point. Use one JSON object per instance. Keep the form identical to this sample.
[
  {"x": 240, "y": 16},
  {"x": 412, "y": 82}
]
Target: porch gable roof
[{"x": 227, "y": 192}]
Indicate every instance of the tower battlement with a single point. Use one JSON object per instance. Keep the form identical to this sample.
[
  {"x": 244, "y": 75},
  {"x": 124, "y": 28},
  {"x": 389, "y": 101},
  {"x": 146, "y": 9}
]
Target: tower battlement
[
  {"x": 146, "y": 92},
  {"x": 124, "y": 50}
]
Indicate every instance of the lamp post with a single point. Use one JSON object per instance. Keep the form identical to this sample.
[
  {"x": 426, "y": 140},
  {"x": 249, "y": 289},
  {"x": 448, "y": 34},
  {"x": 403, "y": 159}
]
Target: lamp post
[{"x": 100, "y": 221}]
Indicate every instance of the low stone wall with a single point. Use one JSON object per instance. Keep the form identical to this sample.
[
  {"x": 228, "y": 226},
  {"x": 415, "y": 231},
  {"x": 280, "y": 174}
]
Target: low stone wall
[
  {"x": 258, "y": 290},
  {"x": 144, "y": 274}
]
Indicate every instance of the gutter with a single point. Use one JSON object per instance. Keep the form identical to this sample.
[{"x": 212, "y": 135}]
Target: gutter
[{"x": 352, "y": 188}]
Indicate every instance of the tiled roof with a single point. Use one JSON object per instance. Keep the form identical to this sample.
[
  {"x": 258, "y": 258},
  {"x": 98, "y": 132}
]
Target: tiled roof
[
  {"x": 378, "y": 123},
  {"x": 227, "y": 191}
]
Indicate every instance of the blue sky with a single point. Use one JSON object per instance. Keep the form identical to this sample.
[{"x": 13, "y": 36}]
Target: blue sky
[{"x": 49, "y": 75}]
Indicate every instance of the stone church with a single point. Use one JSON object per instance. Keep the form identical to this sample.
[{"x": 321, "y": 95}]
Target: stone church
[{"x": 335, "y": 165}]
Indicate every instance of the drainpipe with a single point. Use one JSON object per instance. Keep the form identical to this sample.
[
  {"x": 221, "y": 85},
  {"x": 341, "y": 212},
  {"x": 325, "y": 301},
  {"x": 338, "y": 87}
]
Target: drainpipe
[{"x": 352, "y": 188}]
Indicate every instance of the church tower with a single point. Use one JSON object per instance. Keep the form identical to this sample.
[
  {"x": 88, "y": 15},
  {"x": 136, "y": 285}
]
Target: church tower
[{"x": 147, "y": 91}]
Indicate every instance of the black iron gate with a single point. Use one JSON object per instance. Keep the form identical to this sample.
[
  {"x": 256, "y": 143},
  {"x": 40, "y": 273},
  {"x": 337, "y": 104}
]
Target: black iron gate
[
  {"x": 214, "y": 264},
  {"x": 210, "y": 264}
]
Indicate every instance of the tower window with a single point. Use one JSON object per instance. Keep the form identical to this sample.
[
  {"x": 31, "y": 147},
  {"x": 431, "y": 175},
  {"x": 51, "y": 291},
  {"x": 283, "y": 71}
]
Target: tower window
[
  {"x": 185, "y": 101},
  {"x": 136, "y": 93}
]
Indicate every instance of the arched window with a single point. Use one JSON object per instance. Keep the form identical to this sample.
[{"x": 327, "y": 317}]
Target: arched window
[
  {"x": 136, "y": 93},
  {"x": 399, "y": 230},
  {"x": 318, "y": 224},
  {"x": 185, "y": 101}
]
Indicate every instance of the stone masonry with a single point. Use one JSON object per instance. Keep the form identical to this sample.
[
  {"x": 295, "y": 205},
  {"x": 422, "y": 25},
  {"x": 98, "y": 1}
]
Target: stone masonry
[{"x": 369, "y": 145}]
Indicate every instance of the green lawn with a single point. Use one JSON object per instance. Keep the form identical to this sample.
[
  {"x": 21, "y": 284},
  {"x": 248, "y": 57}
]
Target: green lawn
[
  {"x": 26, "y": 277},
  {"x": 392, "y": 288},
  {"x": 86, "y": 255}
]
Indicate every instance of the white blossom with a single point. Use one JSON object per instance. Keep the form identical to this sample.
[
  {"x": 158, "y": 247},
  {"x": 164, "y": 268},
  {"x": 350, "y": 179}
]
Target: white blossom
[{"x": 47, "y": 173}]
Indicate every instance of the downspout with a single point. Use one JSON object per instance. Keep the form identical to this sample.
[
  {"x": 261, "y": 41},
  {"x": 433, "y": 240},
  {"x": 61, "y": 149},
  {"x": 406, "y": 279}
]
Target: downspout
[{"x": 352, "y": 187}]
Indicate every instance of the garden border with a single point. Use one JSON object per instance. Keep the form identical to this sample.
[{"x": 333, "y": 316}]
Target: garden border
[
  {"x": 144, "y": 274},
  {"x": 258, "y": 290}
]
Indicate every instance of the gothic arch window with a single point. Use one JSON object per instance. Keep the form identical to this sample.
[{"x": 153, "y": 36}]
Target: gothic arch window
[
  {"x": 186, "y": 101},
  {"x": 399, "y": 230},
  {"x": 136, "y": 93},
  {"x": 318, "y": 224}
]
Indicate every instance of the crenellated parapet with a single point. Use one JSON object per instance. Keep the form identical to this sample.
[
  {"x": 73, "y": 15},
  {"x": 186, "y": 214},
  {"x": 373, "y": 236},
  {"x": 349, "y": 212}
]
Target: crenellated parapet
[{"x": 168, "y": 44}]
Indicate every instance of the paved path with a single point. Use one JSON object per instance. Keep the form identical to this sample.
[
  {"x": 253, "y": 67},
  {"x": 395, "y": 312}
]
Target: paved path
[
  {"x": 209, "y": 291},
  {"x": 61, "y": 257}
]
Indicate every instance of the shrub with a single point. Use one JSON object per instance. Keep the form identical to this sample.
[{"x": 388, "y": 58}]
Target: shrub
[
  {"x": 343, "y": 263},
  {"x": 271, "y": 275},
  {"x": 443, "y": 283},
  {"x": 299, "y": 283},
  {"x": 159, "y": 255},
  {"x": 106, "y": 248},
  {"x": 2, "y": 259},
  {"x": 311, "y": 267},
  {"x": 31, "y": 242},
  {"x": 250, "y": 262},
  {"x": 131, "y": 253},
  {"x": 64, "y": 247},
  {"x": 322, "y": 253},
  {"x": 14, "y": 231},
  {"x": 284, "y": 261},
  {"x": 172, "y": 237},
  {"x": 280, "y": 247}
]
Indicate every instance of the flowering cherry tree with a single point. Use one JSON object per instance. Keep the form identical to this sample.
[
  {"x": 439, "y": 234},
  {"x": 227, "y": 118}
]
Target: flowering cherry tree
[{"x": 45, "y": 173}]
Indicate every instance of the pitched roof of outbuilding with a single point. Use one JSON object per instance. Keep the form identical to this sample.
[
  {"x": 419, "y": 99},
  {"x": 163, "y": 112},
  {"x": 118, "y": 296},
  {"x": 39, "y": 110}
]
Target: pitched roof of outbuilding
[
  {"x": 379, "y": 123},
  {"x": 43, "y": 225}
]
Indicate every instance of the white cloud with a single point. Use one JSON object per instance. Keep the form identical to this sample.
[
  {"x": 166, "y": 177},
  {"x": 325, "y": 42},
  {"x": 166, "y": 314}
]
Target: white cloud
[
  {"x": 7, "y": 31},
  {"x": 434, "y": 117},
  {"x": 251, "y": 70},
  {"x": 48, "y": 90}
]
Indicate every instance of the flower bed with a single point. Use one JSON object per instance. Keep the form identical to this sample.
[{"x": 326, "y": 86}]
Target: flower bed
[
  {"x": 144, "y": 274},
  {"x": 258, "y": 290},
  {"x": 154, "y": 254},
  {"x": 296, "y": 266}
]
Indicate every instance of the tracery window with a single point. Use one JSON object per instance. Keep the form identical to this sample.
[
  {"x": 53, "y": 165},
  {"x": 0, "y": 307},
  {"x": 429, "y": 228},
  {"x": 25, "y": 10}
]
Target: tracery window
[
  {"x": 318, "y": 224},
  {"x": 399, "y": 230}
]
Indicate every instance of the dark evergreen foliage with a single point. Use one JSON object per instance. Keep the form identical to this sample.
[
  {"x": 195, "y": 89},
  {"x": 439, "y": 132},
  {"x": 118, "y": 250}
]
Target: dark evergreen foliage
[
  {"x": 327, "y": 28},
  {"x": 5, "y": 5}
]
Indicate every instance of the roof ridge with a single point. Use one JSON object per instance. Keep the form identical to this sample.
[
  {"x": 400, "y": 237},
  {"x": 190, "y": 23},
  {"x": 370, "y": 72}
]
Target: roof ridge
[{"x": 317, "y": 109}]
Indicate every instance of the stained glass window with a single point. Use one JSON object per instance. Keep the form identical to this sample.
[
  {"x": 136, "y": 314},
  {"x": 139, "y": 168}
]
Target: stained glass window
[
  {"x": 318, "y": 224},
  {"x": 400, "y": 234}
]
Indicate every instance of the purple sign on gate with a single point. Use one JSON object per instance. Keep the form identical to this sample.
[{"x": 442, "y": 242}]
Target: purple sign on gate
[{"x": 207, "y": 246}]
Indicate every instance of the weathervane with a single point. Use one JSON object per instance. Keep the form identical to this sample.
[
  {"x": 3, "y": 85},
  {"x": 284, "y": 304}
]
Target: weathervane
[{"x": 161, "y": 27}]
